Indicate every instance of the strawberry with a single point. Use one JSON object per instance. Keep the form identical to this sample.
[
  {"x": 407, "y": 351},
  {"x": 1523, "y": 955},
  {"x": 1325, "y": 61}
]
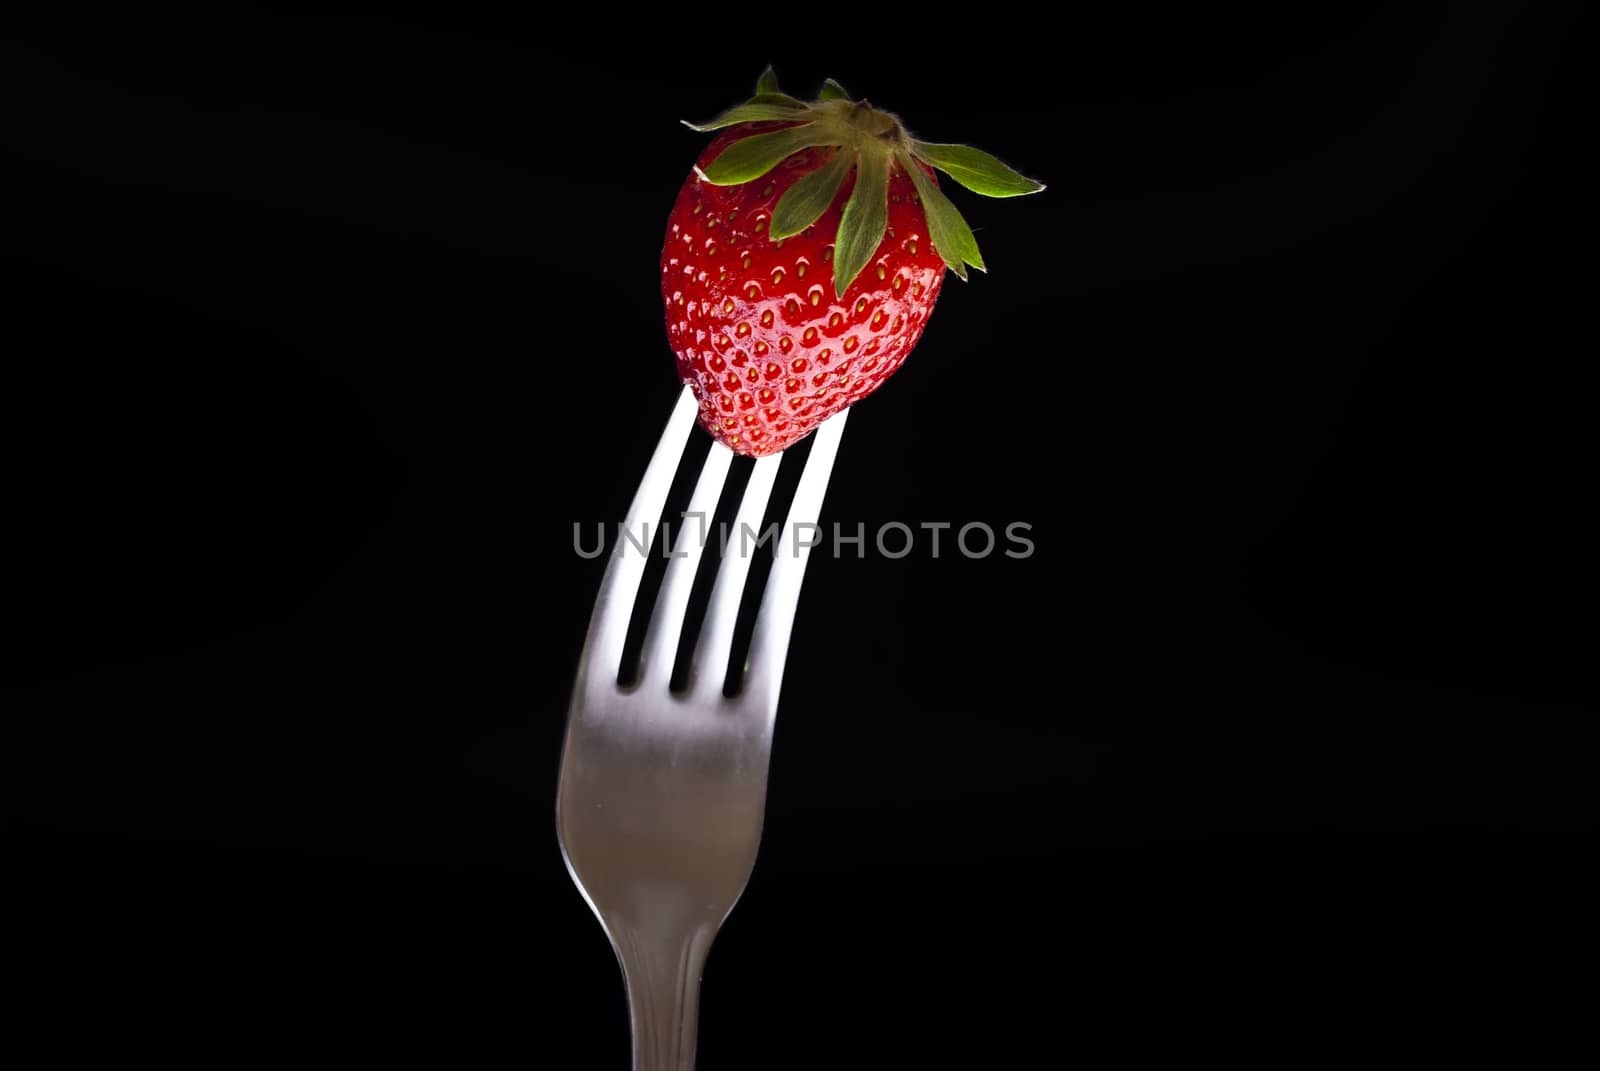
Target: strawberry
[{"x": 804, "y": 255}]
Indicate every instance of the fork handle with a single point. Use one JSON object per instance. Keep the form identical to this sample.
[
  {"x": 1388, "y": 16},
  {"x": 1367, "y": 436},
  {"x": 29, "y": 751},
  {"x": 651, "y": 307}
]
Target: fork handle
[{"x": 662, "y": 974}]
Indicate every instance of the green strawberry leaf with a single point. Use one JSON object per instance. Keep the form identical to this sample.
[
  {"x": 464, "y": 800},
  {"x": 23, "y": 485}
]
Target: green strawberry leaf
[
  {"x": 750, "y": 158},
  {"x": 976, "y": 170},
  {"x": 805, "y": 201},
  {"x": 950, "y": 233},
  {"x": 866, "y": 216},
  {"x": 768, "y": 82},
  {"x": 759, "y": 107},
  {"x": 832, "y": 90},
  {"x": 783, "y": 99}
]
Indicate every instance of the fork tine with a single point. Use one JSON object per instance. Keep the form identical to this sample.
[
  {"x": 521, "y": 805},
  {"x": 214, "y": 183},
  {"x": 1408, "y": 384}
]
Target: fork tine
[
  {"x": 666, "y": 620},
  {"x": 608, "y": 626},
  {"x": 716, "y": 635},
  {"x": 769, "y": 644}
]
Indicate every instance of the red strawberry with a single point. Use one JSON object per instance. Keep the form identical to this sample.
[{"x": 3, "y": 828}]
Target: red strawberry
[{"x": 804, "y": 255}]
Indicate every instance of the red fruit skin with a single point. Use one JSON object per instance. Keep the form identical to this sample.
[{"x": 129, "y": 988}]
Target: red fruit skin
[{"x": 767, "y": 349}]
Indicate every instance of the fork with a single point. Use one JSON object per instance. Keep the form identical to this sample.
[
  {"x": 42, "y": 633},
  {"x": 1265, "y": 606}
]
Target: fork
[{"x": 662, "y": 793}]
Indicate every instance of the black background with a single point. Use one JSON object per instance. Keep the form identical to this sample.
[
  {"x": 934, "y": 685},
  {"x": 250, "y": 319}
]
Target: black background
[{"x": 322, "y": 333}]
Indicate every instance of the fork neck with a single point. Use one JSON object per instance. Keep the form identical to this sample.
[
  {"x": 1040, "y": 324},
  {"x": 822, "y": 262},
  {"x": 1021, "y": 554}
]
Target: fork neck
[{"x": 662, "y": 973}]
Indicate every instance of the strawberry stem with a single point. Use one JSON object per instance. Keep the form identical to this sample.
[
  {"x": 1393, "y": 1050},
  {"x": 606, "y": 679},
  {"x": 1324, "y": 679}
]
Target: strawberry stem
[{"x": 870, "y": 141}]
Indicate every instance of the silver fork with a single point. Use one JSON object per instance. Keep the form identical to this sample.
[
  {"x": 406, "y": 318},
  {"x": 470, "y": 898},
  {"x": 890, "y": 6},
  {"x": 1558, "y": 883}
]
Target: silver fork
[{"x": 662, "y": 795}]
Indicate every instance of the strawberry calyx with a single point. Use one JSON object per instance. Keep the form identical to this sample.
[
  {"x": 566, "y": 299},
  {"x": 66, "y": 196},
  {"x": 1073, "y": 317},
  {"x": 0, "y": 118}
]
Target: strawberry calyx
[{"x": 868, "y": 142}]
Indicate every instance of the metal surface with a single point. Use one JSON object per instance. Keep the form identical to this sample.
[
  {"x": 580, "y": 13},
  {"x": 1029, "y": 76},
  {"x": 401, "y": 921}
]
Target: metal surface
[{"x": 662, "y": 795}]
